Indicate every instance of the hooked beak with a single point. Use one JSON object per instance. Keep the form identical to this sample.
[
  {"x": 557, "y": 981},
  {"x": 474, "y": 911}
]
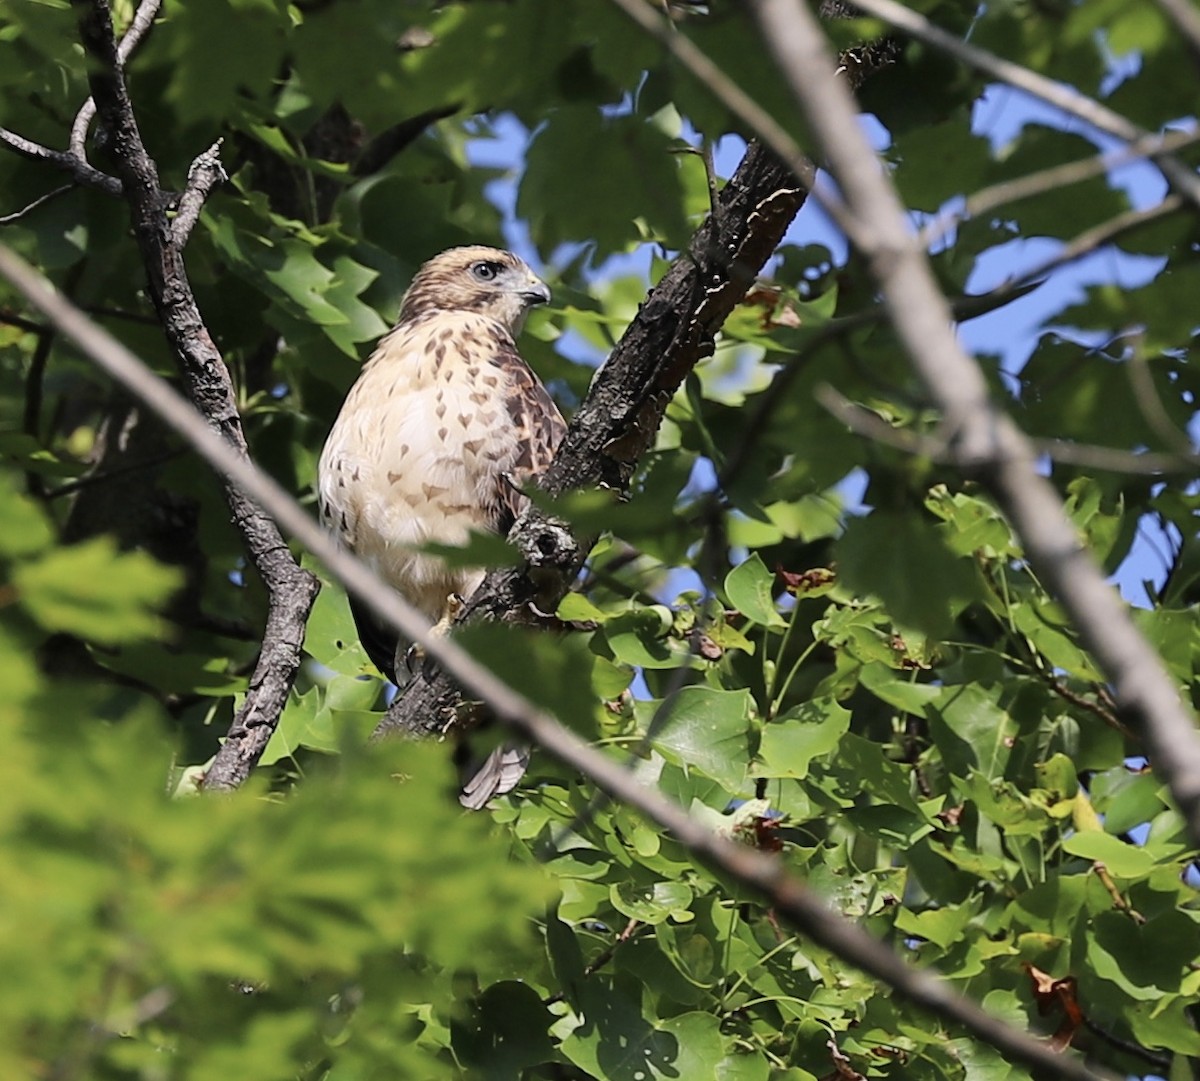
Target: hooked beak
[{"x": 538, "y": 292}]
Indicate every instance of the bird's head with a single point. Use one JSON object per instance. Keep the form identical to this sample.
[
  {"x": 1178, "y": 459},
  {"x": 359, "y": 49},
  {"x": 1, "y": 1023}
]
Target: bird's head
[{"x": 479, "y": 279}]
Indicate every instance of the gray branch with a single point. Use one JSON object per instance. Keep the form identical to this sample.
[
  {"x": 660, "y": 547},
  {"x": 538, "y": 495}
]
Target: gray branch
[
  {"x": 760, "y": 872},
  {"x": 986, "y": 441},
  {"x": 1181, "y": 177}
]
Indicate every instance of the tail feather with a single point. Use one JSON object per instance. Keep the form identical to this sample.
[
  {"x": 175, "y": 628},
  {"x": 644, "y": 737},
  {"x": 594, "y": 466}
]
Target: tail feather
[
  {"x": 379, "y": 642},
  {"x": 500, "y": 772}
]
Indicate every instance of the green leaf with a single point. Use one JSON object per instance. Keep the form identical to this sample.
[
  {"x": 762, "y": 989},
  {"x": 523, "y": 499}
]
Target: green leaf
[
  {"x": 566, "y": 199},
  {"x": 938, "y": 162},
  {"x": 651, "y": 904},
  {"x": 941, "y": 926},
  {"x": 743, "y": 1065},
  {"x": 565, "y": 955},
  {"x": 704, "y": 730},
  {"x": 625, "y": 1047},
  {"x": 750, "y": 588},
  {"x": 331, "y": 637},
  {"x": 864, "y": 767},
  {"x": 640, "y": 637},
  {"x": 1144, "y": 961},
  {"x": 94, "y": 591},
  {"x": 575, "y": 606},
  {"x": 1166, "y": 1024},
  {"x": 1122, "y": 859},
  {"x": 506, "y": 1031},
  {"x": 792, "y": 741},
  {"x": 978, "y": 734},
  {"x": 554, "y": 673},
  {"x": 26, "y": 531},
  {"x": 907, "y": 564},
  {"x": 883, "y": 682},
  {"x": 248, "y": 36}
]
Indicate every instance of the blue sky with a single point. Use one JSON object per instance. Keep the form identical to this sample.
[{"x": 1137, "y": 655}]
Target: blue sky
[{"x": 1012, "y": 332}]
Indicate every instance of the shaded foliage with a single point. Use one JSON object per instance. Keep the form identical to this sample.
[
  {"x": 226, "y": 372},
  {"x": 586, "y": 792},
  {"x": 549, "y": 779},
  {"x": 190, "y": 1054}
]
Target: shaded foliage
[{"x": 905, "y": 712}]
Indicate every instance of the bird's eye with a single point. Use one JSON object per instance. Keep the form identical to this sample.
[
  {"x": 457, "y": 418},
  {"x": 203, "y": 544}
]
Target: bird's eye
[{"x": 485, "y": 272}]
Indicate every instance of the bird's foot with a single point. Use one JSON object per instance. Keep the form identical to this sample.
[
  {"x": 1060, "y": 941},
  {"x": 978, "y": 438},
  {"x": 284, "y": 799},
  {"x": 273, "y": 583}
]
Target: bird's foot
[
  {"x": 414, "y": 656},
  {"x": 453, "y": 607}
]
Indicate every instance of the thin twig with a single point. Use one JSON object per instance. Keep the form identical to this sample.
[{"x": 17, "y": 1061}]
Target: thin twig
[
  {"x": 1061, "y": 96},
  {"x": 632, "y": 928},
  {"x": 90, "y": 480},
  {"x": 986, "y": 440},
  {"x": 17, "y": 215},
  {"x": 1149, "y": 401},
  {"x": 1114, "y": 460},
  {"x": 759, "y": 871},
  {"x": 1119, "y": 902},
  {"x": 869, "y": 424},
  {"x": 1085, "y": 243},
  {"x": 1057, "y": 176},
  {"x": 30, "y": 326},
  {"x": 1097, "y": 709}
]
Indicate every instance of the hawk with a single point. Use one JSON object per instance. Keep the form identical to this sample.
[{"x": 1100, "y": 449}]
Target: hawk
[{"x": 444, "y": 425}]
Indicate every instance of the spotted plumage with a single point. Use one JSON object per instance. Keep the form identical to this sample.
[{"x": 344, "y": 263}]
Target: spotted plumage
[{"x": 444, "y": 425}]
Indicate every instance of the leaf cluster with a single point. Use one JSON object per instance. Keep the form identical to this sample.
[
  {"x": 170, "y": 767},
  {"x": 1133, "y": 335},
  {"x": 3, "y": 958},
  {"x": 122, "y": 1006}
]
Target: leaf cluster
[{"x": 825, "y": 645}]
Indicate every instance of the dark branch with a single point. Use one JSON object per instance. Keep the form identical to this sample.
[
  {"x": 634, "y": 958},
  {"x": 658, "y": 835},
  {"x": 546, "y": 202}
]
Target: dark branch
[
  {"x": 80, "y": 171},
  {"x": 387, "y": 144},
  {"x": 138, "y": 28},
  {"x": 290, "y": 589}
]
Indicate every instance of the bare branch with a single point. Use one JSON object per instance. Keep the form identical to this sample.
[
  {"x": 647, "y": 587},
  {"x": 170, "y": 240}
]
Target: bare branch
[
  {"x": 1084, "y": 244},
  {"x": 1061, "y": 96},
  {"x": 204, "y": 175},
  {"x": 985, "y": 439},
  {"x": 1057, "y": 176},
  {"x": 290, "y": 589},
  {"x": 138, "y": 28},
  {"x": 870, "y": 425},
  {"x": 81, "y": 172},
  {"x": 759, "y": 871},
  {"x": 17, "y": 215}
]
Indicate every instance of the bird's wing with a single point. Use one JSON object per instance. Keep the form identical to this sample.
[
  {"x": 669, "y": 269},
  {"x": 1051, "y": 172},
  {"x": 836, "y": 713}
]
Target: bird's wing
[{"x": 538, "y": 428}]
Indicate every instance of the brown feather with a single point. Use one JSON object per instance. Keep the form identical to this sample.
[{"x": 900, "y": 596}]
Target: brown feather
[{"x": 444, "y": 425}]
